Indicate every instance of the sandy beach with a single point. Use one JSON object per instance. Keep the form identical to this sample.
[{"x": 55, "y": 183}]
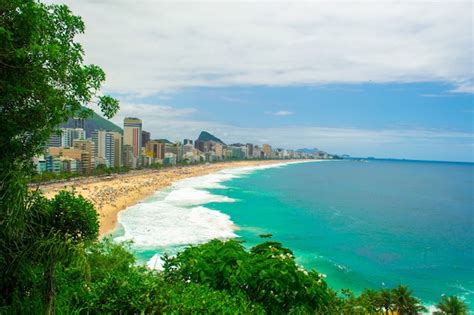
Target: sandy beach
[{"x": 114, "y": 193}]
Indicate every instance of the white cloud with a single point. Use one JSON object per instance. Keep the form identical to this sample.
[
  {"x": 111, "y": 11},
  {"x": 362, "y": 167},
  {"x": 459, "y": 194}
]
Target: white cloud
[
  {"x": 153, "y": 46},
  {"x": 177, "y": 124},
  {"x": 464, "y": 87},
  {"x": 280, "y": 113}
]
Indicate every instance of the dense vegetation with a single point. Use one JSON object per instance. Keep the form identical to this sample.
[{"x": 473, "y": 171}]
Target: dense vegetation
[
  {"x": 50, "y": 258},
  {"x": 100, "y": 170}
]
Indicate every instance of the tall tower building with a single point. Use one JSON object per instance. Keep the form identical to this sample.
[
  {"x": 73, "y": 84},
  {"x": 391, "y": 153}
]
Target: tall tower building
[
  {"x": 267, "y": 150},
  {"x": 68, "y": 135},
  {"x": 156, "y": 148},
  {"x": 132, "y": 135},
  {"x": 198, "y": 144},
  {"x": 118, "y": 148},
  {"x": 104, "y": 145},
  {"x": 78, "y": 122},
  {"x": 87, "y": 148},
  {"x": 145, "y": 138},
  {"x": 249, "y": 153},
  {"x": 54, "y": 141}
]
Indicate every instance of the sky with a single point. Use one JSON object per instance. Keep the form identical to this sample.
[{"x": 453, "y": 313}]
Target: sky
[{"x": 365, "y": 78}]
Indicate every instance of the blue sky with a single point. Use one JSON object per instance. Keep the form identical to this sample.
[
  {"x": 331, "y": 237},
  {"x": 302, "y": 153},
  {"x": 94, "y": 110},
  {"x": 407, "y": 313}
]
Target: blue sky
[
  {"x": 370, "y": 106},
  {"x": 410, "y": 120},
  {"x": 385, "y": 79}
]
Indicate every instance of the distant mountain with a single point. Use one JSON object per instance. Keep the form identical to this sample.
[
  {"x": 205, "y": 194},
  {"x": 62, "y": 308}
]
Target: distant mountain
[
  {"x": 206, "y": 136},
  {"x": 308, "y": 151},
  {"x": 92, "y": 123}
]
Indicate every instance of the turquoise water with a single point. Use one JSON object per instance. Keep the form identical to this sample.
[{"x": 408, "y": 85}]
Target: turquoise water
[
  {"x": 366, "y": 224},
  {"x": 363, "y": 224}
]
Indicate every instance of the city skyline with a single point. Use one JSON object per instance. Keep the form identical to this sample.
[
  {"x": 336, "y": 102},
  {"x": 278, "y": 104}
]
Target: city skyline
[{"x": 72, "y": 150}]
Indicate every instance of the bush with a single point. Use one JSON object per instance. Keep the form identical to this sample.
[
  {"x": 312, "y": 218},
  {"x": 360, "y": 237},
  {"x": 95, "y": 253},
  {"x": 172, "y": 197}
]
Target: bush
[
  {"x": 117, "y": 285},
  {"x": 267, "y": 275}
]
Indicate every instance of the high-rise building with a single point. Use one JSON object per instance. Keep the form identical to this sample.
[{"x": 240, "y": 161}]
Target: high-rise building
[
  {"x": 257, "y": 152},
  {"x": 104, "y": 145},
  {"x": 118, "y": 149},
  {"x": 71, "y": 153},
  {"x": 145, "y": 138},
  {"x": 87, "y": 148},
  {"x": 267, "y": 151},
  {"x": 219, "y": 150},
  {"x": 69, "y": 165},
  {"x": 129, "y": 160},
  {"x": 68, "y": 135},
  {"x": 54, "y": 141},
  {"x": 78, "y": 122},
  {"x": 188, "y": 149},
  {"x": 179, "y": 149},
  {"x": 53, "y": 164},
  {"x": 155, "y": 149},
  {"x": 86, "y": 145},
  {"x": 198, "y": 144},
  {"x": 55, "y": 151},
  {"x": 40, "y": 163},
  {"x": 236, "y": 152},
  {"x": 249, "y": 153},
  {"x": 132, "y": 135}
]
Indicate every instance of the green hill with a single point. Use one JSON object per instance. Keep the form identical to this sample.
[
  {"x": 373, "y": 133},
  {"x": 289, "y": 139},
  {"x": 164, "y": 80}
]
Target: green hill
[
  {"x": 206, "y": 136},
  {"x": 94, "y": 122}
]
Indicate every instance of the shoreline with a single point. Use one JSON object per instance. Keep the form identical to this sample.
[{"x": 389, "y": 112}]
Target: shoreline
[{"x": 112, "y": 194}]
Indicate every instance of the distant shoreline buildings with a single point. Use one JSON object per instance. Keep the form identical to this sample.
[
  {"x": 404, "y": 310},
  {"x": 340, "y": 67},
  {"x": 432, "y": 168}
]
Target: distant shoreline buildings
[{"x": 71, "y": 151}]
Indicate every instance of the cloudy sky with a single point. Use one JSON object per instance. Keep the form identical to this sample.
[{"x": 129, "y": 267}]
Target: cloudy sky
[{"x": 386, "y": 79}]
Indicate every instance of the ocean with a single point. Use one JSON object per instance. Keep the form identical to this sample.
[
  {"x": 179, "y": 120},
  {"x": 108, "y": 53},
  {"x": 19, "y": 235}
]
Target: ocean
[{"x": 365, "y": 224}]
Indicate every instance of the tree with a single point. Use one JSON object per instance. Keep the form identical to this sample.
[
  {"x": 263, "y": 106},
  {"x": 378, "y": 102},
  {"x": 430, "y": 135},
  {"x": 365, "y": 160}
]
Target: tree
[
  {"x": 43, "y": 82},
  {"x": 404, "y": 302},
  {"x": 71, "y": 224},
  {"x": 267, "y": 275},
  {"x": 385, "y": 300},
  {"x": 59, "y": 230},
  {"x": 451, "y": 306}
]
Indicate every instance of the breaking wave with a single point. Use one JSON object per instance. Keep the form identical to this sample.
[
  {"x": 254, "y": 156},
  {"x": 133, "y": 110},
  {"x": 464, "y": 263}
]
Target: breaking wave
[{"x": 176, "y": 216}]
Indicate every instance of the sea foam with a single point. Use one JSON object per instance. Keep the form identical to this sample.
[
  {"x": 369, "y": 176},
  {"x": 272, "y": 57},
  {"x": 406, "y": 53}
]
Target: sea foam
[{"x": 176, "y": 216}]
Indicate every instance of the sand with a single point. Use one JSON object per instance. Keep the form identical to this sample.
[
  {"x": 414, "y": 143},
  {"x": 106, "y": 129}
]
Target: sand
[{"x": 112, "y": 194}]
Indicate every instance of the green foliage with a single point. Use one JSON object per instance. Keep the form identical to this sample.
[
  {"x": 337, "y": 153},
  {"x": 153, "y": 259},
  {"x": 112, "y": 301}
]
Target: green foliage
[
  {"x": 50, "y": 176},
  {"x": 451, "y": 305},
  {"x": 385, "y": 301},
  {"x": 404, "y": 302},
  {"x": 44, "y": 79},
  {"x": 101, "y": 170},
  {"x": 117, "y": 285},
  {"x": 267, "y": 275},
  {"x": 368, "y": 302},
  {"x": 56, "y": 234},
  {"x": 74, "y": 217},
  {"x": 217, "y": 277},
  {"x": 43, "y": 82}
]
